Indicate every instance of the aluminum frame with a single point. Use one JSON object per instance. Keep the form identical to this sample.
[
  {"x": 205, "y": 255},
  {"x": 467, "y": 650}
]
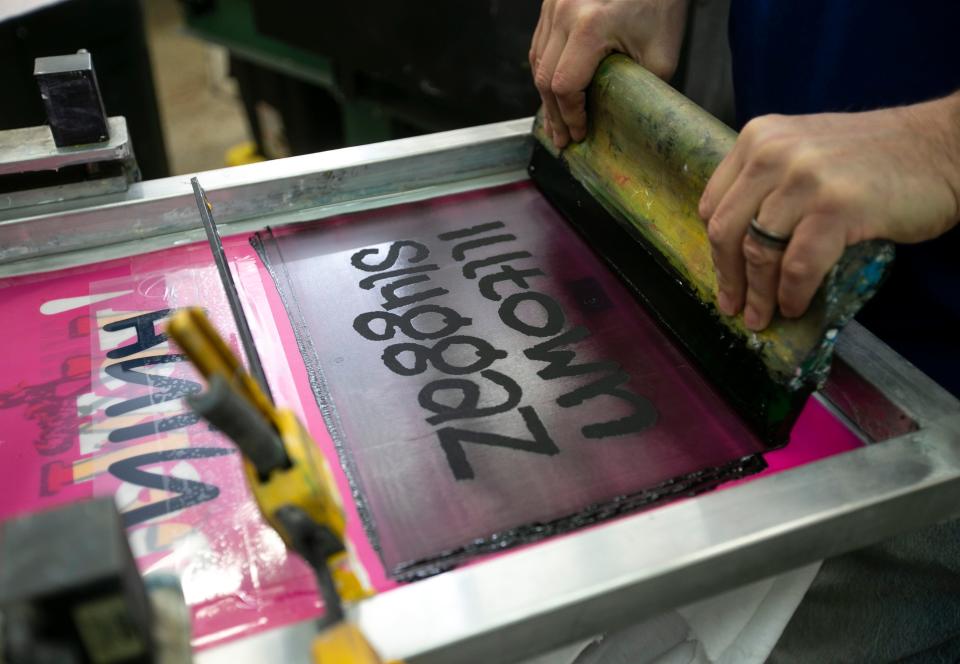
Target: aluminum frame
[
  {"x": 32, "y": 150},
  {"x": 573, "y": 587}
]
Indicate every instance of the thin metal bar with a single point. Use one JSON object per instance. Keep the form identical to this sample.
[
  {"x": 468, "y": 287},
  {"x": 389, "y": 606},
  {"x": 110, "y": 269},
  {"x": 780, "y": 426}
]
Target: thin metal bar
[
  {"x": 284, "y": 186},
  {"x": 230, "y": 288},
  {"x": 888, "y": 374},
  {"x": 33, "y": 149}
]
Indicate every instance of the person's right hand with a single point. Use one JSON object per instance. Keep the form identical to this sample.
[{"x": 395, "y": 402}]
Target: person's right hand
[{"x": 573, "y": 36}]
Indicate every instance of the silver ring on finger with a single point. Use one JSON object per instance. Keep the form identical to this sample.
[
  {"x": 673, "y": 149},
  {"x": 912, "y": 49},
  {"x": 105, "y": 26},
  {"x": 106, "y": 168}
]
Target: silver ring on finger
[{"x": 768, "y": 239}]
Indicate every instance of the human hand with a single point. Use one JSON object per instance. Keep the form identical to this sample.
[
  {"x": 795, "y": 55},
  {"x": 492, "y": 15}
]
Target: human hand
[
  {"x": 573, "y": 36},
  {"x": 826, "y": 181}
]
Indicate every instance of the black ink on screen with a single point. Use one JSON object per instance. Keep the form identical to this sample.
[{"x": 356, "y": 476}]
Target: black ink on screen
[{"x": 487, "y": 380}]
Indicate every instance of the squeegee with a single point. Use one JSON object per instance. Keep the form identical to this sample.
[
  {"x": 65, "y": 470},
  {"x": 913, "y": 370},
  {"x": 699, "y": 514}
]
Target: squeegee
[{"x": 632, "y": 188}]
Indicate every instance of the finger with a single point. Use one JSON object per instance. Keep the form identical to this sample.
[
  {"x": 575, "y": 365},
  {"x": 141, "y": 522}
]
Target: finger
[
  {"x": 748, "y": 152},
  {"x": 720, "y": 182},
  {"x": 763, "y": 275},
  {"x": 533, "y": 54},
  {"x": 660, "y": 59},
  {"x": 816, "y": 246},
  {"x": 726, "y": 230},
  {"x": 581, "y": 55},
  {"x": 540, "y": 34},
  {"x": 779, "y": 214},
  {"x": 544, "y": 82}
]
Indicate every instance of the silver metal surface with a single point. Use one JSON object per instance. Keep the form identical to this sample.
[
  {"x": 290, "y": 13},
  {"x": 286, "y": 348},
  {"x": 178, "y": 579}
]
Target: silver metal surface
[
  {"x": 205, "y": 209},
  {"x": 612, "y": 575},
  {"x": 887, "y": 393},
  {"x": 57, "y": 64},
  {"x": 575, "y": 586},
  {"x": 12, "y": 203},
  {"x": 33, "y": 149},
  {"x": 272, "y": 191}
]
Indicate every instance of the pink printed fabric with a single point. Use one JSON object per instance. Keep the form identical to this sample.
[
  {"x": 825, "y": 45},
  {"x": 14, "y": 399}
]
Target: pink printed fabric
[{"x": 75, "y": 422}]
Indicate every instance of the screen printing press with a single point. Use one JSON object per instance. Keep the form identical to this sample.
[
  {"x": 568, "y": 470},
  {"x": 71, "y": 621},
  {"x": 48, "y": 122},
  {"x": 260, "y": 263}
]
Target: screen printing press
[{"x": 498, "y": 504}]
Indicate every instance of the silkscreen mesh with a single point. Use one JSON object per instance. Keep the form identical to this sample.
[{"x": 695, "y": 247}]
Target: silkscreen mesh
[{"x": 487, "y": 380}]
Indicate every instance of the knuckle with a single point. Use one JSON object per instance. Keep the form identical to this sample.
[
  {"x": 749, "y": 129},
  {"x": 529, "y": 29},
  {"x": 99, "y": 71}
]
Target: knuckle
[
  {"x": 758, "y": 297},
  {"x": 837, "y": 194},
  {"x": 588, "y": 17},
  {"x": 759, "y": 163},
  {"x": 803, "y": 174},
  {"x": 767, "y": 152},
  {"x": 663, "y": 70},
  {"x": 761, "y": 127},
  {"x": 660, "y": 65},
  {"x": 562, "y": 84},
  {"x": 705, "y": 210},
  {"x": 757, "y": 256},
  {"x": 796, "y": 271},
  {"x": 565, "y": 8},
  {"x": 754, "y": 128},
  {"x": 805, "y": 157},
  {"x": 542, "y": 80},
  {"x": 716, "y": 231},
  {"x": 791, "y": 305}
]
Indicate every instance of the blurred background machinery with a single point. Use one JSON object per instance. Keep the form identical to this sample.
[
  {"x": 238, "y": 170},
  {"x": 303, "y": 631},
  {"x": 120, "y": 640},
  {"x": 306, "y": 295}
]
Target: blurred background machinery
[{"x": 208, "y": 83}]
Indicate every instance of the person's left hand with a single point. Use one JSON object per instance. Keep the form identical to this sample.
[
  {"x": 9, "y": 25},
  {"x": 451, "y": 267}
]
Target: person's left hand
[{"x": 828, "y": 181}]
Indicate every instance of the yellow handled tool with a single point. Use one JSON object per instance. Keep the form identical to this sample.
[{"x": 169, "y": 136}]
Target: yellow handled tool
[
  {"x": 289, "y": 478},
  {"x": 282, "y": 464}
]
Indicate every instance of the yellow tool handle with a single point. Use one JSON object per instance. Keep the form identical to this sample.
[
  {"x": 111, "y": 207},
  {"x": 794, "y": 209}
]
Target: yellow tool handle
[
  {"x": 344, "y": 643},
  {"x": 198, "y": 339},
  {"x": 305, "y": 481}
]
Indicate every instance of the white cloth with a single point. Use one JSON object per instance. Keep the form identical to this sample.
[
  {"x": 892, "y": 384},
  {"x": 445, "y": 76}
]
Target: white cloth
[{"x": 737, "y": 627}]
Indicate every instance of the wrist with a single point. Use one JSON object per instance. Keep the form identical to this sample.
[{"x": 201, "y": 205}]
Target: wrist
[
  {"x": 945, "y": 119},
  {"x": 935, "y": 126},
  {"x": 952, "y": 119}
]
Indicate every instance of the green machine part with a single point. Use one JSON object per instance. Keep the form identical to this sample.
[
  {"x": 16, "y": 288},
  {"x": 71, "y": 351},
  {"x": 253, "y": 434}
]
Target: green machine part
[{"x": 230, "y": 23}]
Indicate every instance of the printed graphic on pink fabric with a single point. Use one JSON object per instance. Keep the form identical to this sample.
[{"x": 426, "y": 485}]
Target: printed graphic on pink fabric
[{"x": 96, "y": 407}]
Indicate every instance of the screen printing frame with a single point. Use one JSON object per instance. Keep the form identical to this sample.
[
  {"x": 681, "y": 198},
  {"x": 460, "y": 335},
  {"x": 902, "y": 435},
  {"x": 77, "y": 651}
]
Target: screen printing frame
[{"x": 575, "y": 586}]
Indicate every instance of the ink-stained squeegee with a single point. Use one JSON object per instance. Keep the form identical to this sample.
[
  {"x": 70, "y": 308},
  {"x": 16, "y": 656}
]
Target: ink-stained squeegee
[{"x": 632, "y": 187}]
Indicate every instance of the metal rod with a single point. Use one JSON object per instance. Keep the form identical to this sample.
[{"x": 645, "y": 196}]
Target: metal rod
[{"x": 226, "y": 278}]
